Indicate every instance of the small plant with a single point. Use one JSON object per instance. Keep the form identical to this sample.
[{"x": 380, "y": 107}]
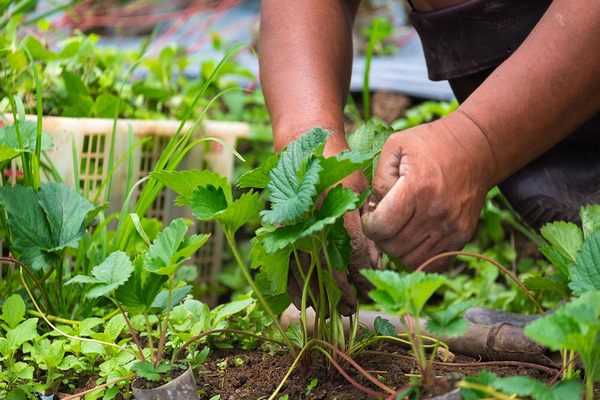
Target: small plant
[
  {"x": 136, "y": 288},
  {"x": 406, "y": 296}
]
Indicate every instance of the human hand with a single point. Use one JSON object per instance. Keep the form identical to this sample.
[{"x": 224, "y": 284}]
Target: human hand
[{"x": 429, "y": 188}]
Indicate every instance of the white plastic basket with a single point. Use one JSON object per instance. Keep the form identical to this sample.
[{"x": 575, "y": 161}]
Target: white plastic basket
[{"x": 90, "y": 140}]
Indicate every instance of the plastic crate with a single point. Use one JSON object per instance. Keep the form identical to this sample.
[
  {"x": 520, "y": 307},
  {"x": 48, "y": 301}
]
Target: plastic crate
[{"x": 91, "y": 140}]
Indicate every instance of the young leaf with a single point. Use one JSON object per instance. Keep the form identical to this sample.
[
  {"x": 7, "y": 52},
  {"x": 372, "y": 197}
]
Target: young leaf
[
  {"x": 590, "y": 219},
  {"x": 146, "y": 370},
  {"x": 383, "y": 327},
  {"x": 171, "y": 248},
  {"x": 27, "y": 131},
  {"x": 207, "y": 201},
  {"x": 449, "y": 322},
  {"x": 566, "y": 237},
  {"x": 139, "y": 292},
  {"x": 340, "y": 166},
  {"x": 339, "y": 200},
  {"x": 241, "y": 211},
  {"x": 273, "y": 276},
  {"x": 184, "y": 183},
  {"x": 259, "y": 177},
  {"x": 13, "y": 310},
  {"x": 291, "y": 196},
  {"x": 113, "y": 272},
  {"x": 24, "y": 332},
  {"x": 403, "y": 294},
  {"x": 585, "y": 273},
  {"x": 293, "y": 181},
  {"x": 162, "y": 299}
]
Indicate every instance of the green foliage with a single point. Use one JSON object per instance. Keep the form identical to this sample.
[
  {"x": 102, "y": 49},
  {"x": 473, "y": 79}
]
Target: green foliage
[
  {"x": 585, "y": 272},
  {"x": 43, "y": 223},
  {"x": 574, "y": 326},
  {"x": 171, "y": 248},
  {"x": 146, "y": 370},
  {"x": 449, "y": 321},
  {"x": 13, "y": 310},
  {"x": 384, "y": 327},
  {"x": 106, "y": 277},
  {"x": 487, "y": 383},
  {"x": 293, "y": 181}
]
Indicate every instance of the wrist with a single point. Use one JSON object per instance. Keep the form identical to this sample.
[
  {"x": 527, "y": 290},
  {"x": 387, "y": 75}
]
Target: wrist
[{"x": 472, "y": 141}]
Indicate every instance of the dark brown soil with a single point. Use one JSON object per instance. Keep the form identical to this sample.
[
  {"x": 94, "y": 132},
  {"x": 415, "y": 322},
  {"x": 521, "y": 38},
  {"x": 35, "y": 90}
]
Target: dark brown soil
[{"x": 239, "y": 375}]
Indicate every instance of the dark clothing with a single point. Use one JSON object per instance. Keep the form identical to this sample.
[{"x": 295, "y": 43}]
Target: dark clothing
[{"x": 464, "y": 44}]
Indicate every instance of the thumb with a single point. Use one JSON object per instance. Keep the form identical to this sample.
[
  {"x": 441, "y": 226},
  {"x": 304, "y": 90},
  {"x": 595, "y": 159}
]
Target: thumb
[{"x": 391, "y": 214}]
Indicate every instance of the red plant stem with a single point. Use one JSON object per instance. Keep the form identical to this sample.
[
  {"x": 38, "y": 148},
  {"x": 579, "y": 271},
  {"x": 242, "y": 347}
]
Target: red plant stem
[
  {"x": 525, "y": 364},
  {"x": 504, "y": 270},
  {"x": 357, "y": 385},
  {"x": 356, "y": 366}
]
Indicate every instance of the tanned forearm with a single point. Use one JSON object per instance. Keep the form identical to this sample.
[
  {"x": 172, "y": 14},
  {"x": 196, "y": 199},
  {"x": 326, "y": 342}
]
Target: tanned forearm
[
  {"x": 305, "y": 65},
  {"x": 547, "y": 88}
]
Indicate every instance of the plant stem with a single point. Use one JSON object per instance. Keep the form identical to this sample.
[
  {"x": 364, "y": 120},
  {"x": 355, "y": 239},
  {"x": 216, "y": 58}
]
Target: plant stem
[
  {"x": 364, "y": 389},
  {"x": 291, "y": 369},
  {"x": 132, "y": 331},
  {"x": 257, "y": 292},
  {"x": 150, "y": 339},
  {"x": 54, "y": 318},
  {"x": 503, "y": 269},
  {"x": 165, "y": 323}
]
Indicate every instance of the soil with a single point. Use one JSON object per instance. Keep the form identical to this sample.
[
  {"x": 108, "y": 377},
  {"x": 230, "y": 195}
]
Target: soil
[{"x": 241, "y": 375}]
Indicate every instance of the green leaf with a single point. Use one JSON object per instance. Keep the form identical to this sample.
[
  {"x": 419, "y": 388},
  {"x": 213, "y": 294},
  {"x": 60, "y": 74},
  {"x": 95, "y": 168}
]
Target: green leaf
[
  {"x": 259, "y": 177},
  {"x": 207, "y": 201},
  {"x": 184, "y": 183},
  {"x": 65, "y": 210},
  {"x": 573, "y": 326},
  {"x": 339, "y": 200},
  {"x": 162, "y": 299},
  {"x": 13, "y": 310},
  {"x": 336, "y": 168},
  {"x": 339, "y": 246},
  {"x": 402, "y": 294},
  {"x": 27, "y": 132},
  {"x": 291, "y": 196},
  {"x": 22, "y": 333},
  {"x": 449, "y": 322},
  {"x": 530, "y": 387},
  {"x": 171, "y": 248},
  {"x": 106, "y": 105},
  {"x": 566, "y": 237},
  {"x": 37, "y": 50},
  {"x": 8, "y": 153},
  {"x": 146, "y": 370},
  {"x": 590, "y": 219},
  {"x": 293, "y": 181},
  {"x": 139, "y": 292},
  {"x": 272, "y": 279},
  {"x": 44, "y": 222},
  {"x": 113, "y": 272},
  {"x": 240, "y": 211},
  {"x": 383, "y": 327},
  {"x": 585, "y": 273},
  {"x": 74, "y": 85}
]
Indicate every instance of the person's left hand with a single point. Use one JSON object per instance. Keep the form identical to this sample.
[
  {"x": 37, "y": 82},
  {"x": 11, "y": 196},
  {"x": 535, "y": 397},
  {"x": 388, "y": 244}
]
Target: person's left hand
[{"x": 429, "y": 188}]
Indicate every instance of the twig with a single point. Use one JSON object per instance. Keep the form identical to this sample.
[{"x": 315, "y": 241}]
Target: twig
[
  {"x": 132, "y": 331},
  {"x": 504, "y": 270}
]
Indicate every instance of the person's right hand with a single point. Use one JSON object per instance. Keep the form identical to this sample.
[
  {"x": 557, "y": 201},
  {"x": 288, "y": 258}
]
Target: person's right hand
[{"x": 429, "y": 188}]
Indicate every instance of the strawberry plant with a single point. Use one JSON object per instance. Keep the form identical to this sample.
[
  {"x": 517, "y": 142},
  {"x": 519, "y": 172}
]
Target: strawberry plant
[
  {"x": 406, "y": 296},
  {"x": 136, "y": 287}
]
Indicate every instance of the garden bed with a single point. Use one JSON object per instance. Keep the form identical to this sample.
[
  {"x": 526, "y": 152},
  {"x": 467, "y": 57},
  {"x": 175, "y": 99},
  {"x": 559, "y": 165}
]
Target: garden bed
[{"x": 239, "y": 375}]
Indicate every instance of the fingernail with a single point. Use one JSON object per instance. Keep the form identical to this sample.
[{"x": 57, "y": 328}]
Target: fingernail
[{"x": 371, "y": 205}]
